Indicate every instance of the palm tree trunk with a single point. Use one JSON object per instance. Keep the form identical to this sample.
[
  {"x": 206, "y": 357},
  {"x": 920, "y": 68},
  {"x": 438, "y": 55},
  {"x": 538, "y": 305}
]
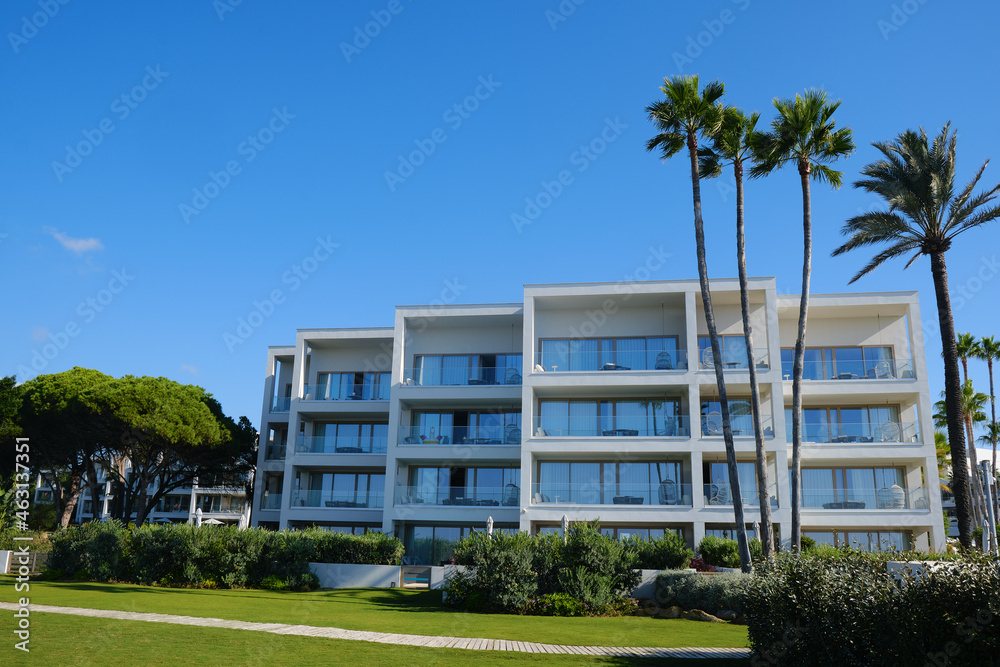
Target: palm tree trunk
[
  {"x": 706, "y": 297},
  {"x": 953, "y": 400},
  {"x": 799, "y": 360},
  {"x": 766, "y": 531},
  {"x": 993, "y": 437},
  {"x": 978, "y": 497}
]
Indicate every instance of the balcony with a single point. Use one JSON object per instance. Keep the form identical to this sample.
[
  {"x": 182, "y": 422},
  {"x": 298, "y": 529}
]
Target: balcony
[
  {"x": 843, "y": 433},
  {"x": 722, "y": 495},
  {"x": 275, "y": 453},
  {"x": 346, "y": 392},
  {"x": 590, "y": 361},
  {"x": 280, "y": 404},
  {"x": 460, "y": 435},
  {"x": 857, "y": 369},
  {"x": 888, "y": 498},
  {"x": 459, "y": 496},
  {"x": 584, "y": 427},
  {"x": 270, "y": 501},
  {"x": 475, "y": 377},
  {"x": 711, "y": 425},
  {"x": 327, "y": 499},
  {"x": 318, "y": 444},
  {"x": 735, "y": 361},
  {"x": 594, "y": 493}
]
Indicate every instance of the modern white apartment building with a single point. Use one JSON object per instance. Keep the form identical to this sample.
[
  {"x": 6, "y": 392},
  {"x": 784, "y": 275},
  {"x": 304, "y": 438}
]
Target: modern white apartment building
[
  {"x": 599, "y": 400},
  {"x": 220, "y": 502}
]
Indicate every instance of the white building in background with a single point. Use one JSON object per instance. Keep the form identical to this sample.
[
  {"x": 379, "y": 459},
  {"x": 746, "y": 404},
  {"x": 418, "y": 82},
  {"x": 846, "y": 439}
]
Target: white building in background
[
  {"x": 599, "y": 400},
  {"x": 219, "y": 502}
]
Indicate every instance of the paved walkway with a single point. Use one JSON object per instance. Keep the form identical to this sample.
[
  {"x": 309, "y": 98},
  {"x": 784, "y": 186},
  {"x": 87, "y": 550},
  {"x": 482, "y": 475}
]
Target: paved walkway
[{"x": 475, "y": 644}]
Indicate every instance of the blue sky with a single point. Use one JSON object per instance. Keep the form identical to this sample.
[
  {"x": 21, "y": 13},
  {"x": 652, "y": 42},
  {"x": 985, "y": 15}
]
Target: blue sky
[{"x": 167, "y": 166}]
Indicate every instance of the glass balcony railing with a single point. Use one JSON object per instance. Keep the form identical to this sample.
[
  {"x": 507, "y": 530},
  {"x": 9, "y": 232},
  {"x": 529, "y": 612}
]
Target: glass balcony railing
[
  {"x": 735, "y": 362},
  {"x": 889, "y": 498},
  {"x": 711, "y": 425},
  {"x": 270, "y": 501},
  {"x": 480, "y": 496},
  {"x": 347, "y": 392},
  {"x": 887, "y": 369},
  {"x": 463, "y": 377},
  {"x": 280, "y": 404},
  {"x": 583, "y": 427},
  {"x": 320, "y": 498},
  {"x": 595, "y": 493},
  {"x": 590, "y": 361},
  {"x": 830, "y": 432},
  {"x": 275, "y": 453},
  {"x": 318, "y": 444},
  {"x": 722, "y": 494},
  {"x": 460, "y": 435}
]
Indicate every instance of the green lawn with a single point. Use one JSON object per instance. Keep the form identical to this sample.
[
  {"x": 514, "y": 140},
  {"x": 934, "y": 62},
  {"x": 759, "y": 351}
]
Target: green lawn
[
  {"x": 385, "y": 610},
  {"x": 57, "y": 639}
]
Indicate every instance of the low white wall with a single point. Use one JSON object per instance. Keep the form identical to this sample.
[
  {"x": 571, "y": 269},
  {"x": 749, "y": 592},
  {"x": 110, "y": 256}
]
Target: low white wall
[
  {"x": 439, "y": 575},
  {"x": 342, "y": 575},
  {"x": 647, "y": 584},
  {"x": 5, "y": 557}
]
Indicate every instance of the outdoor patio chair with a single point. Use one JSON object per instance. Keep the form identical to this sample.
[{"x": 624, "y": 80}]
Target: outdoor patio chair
[
  {"x": 667, "y": 492},
  {"x": 512, "y": 376},
  {"x": 664, "y": 362}
]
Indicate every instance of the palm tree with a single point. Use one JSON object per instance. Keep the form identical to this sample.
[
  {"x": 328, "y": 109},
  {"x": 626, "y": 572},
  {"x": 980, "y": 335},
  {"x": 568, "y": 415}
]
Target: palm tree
[
  {"x": 925, "y": 214},
  {"x": 679, "y": 119},
  {"x": 943, "y": 452},
  {"x": 989, "y": 349},
  {"x": 735, "y": 143},
  {"x": 967, "y": 346},
  {"x": 804, "y": 134}
]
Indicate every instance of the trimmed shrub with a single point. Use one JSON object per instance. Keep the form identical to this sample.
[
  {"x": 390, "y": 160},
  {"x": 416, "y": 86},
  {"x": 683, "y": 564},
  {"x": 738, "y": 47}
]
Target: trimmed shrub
[
  {"x": 210, "y": 556},
  {"x": 508, "y": 571},
  {"x": 719, "y": 551},
  {"x": 555, "y": 604},
  {"x": 850, "y": 610},
  {"x": 696, "y": 591},
  {"x": 669, "y": 552},
  {"x": 500, "y": 580}
]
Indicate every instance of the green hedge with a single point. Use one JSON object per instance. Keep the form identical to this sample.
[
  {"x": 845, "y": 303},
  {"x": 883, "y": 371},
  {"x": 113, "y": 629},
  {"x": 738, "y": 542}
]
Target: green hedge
[
  {"x": 850, "y": 611},
  {"x": 710, "y": 592},
  {"x": 211, "y": 556},
  {"x": 509, "y": 571}
]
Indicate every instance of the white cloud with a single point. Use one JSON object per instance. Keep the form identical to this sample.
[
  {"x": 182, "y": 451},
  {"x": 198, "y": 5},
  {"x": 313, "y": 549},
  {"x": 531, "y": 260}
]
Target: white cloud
[
  {"x": 190, "y": 369},
  {"x": 78, "y": 246}
]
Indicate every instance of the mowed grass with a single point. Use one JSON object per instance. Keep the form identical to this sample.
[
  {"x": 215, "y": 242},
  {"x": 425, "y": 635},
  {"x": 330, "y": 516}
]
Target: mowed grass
[
  {"x": 382, "y": 610},
  {"x": 58, "y": 639}
]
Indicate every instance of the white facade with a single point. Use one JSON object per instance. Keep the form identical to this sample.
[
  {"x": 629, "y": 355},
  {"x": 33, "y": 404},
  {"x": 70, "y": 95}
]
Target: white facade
[
  {"x": 596, "y": 401},
  {"x": 219, "y": 504}
]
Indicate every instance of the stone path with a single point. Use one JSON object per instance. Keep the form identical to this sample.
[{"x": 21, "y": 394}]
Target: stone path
[{"x": 474, "y": 644}]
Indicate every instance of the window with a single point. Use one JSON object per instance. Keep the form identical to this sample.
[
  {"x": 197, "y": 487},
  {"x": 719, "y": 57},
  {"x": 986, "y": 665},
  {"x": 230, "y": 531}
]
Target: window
[
  {"x": 881, "y": 540},
  {"x": 734, "y": 351},
  {"x": 349, "y": 438},
  {"x": 592, "y": 354},
  {"x": 462, "y": 486},
  {"x": 607, "y": 483},
  {"x": 467, "y": 369},
  {"x": 481, "y": 426},
  {"x": 845, "y": 363},
  {"x": 740, "y": 415},
  {"x": 353, "y": 386},
  {"x": 657, "y": 416},
  {"x": 874, "y": 423},
  {"x": 716, "y": 475},
  {"x": 852, "y": 488}
]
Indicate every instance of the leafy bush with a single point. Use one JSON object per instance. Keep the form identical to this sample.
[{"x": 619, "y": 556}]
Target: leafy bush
[
  {"x": 605, "y": 557},
  {"x": 224, "y": 557},
  {"x": 697, "y": 591},
  {"x": 555, "y": 604},
  {"x": 669, "y": 552},
  {"x": 850, "y": 610},
  {"x": 719, "y": 551},
  {"x": 500, "y": 579}
]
